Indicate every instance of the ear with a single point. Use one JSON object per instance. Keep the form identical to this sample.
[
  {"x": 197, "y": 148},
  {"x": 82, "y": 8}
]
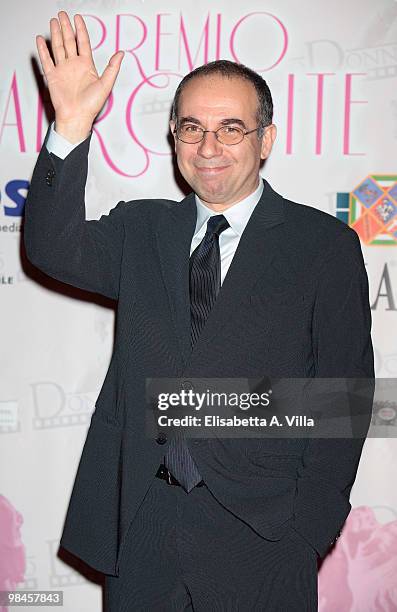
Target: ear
[
  {"x": 268, "y": 138},
  {"x": 172, "y": 128}
]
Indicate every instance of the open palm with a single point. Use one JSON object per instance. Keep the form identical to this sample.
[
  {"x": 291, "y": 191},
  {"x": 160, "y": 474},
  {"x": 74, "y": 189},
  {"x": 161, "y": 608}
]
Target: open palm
[{"x": 77, "y": 91}]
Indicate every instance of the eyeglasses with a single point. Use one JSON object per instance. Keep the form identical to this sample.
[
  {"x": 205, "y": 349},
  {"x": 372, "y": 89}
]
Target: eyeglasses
[{"x": 190, "y": 133}]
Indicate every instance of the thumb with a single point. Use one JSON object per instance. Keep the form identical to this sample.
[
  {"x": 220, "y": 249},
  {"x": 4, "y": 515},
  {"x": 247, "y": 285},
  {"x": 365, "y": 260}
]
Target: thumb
[{"x": 111, "y": 71}]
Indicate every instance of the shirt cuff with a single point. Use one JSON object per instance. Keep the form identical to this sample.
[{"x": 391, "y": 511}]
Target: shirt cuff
[{"x": 57, "y": 144}]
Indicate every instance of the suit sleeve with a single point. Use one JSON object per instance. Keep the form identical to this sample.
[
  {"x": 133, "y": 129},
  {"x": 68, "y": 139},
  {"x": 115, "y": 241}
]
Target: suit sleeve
[
  {"x": 57, "y": 237},
  {"x": 57, "y": 144},
  {"x": 342, "y": 348}
]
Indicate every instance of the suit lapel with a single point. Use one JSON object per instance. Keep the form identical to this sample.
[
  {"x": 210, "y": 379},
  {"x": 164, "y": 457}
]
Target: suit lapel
[
  {"x": 174, "y": 236},
  {"x": 257, "y": 248}
]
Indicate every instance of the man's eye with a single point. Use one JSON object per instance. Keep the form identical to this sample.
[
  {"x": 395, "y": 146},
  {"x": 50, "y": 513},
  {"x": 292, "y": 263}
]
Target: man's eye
[
  {"x": 191, "y": 128},
  {"x": 229, "y": 129}
]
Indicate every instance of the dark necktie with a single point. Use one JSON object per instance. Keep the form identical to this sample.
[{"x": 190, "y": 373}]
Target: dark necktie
[{"x": 205, "y": 282}]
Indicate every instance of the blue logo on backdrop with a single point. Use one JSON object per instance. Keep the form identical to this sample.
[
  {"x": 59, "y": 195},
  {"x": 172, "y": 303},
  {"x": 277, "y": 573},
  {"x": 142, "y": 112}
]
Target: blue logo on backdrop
[{"x": 12, "y": 190}]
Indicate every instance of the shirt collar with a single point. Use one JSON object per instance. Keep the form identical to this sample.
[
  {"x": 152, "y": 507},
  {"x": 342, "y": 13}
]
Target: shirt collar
[{"x": 237, "y": 215}]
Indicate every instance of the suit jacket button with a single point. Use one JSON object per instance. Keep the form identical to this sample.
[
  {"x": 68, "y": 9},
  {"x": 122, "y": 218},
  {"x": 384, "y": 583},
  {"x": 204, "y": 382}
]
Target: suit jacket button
[
  {"x": 50, "y": 175},
  {"x": 161, "y": 438}
]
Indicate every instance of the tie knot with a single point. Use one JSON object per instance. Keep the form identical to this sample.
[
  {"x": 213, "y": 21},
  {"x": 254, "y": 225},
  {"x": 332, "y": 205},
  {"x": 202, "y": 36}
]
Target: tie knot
[{"x": 217, "y": 224}]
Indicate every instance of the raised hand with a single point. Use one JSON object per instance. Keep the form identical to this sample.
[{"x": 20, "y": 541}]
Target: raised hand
[{"x": 77, "y": 91}]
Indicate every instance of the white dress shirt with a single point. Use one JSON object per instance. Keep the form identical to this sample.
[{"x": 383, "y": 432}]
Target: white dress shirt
[{"x": 237, "y": 215}]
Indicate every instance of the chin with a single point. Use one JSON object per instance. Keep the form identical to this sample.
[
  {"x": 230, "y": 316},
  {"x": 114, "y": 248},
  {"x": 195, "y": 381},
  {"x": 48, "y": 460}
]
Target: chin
[
  {"x": 215, "y": 192},
  {"x": 213, "y": 196}
]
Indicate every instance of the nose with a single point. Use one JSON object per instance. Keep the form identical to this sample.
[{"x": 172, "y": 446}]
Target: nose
[{"x": 209, "y": 146}]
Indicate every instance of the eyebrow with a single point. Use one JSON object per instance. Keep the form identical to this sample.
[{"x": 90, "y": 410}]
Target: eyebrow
[{"x": 229, "y": 121}]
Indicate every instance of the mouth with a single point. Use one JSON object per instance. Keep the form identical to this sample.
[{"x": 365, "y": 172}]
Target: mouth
[{"x": 211, "y": 171}]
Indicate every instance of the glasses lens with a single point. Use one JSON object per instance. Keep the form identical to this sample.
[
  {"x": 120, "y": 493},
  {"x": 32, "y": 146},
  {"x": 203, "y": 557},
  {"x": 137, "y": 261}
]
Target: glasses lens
[
  {"x": 190, "y": 133},
  {"x": 230, "y": 135}
]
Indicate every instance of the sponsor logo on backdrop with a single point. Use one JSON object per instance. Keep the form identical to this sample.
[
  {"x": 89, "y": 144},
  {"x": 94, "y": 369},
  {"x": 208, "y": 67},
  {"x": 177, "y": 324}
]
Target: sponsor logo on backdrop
[
  {"x": 371, "y": 209},
  {"x": 378, "y": 60},
  {"x": 9, "y": 421},
  {"x": 13, "y": 192},
  {"x": 54, "y": 407},
  {"x": 373, "y": 48}
]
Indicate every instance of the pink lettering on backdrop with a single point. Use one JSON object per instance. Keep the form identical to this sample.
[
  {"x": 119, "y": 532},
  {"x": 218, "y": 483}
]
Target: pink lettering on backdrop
[
  {"x": 12, "y": 549},
  {"x": 18, "y": 116},
  {"x": 183, "y": 37},
  {"x": 43, "y": 102},
  {"x": 103, "y": 30},
  {"x": 283, "y": 32},
  {"x": 192, "y": 47},
  {"x": 159, "y": 33},
  {"x": 108, "y": 107},
  {"x": 137, "y": 46},
  {"x": 150, "y": 81},
  {"x": 218, "y": 32},
  {"x": 348, "y": 103},
  {"x": 39, "y": 123},
  {"x": 320, "y": 102},
  {"x": 290, "y": 113}
]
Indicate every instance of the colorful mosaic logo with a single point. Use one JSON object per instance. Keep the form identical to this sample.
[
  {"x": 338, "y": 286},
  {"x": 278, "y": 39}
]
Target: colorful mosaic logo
[{"x": 371, "y": 209}]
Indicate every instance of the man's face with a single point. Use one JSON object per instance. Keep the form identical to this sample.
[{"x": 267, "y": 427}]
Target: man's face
[{"x": 220, "y": 174}]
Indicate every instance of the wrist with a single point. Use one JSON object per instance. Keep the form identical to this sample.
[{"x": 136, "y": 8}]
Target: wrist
[{"x": 73, "y": 130}]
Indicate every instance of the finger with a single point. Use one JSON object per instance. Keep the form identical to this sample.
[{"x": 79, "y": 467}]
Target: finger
[
  {"x": 69, "y": 40},
  {"x": 57, "y": 47},
  {"x": 111, "y": 71},
  {"x": 83, "y": 39},
  {"x": 45, "y": 58}
]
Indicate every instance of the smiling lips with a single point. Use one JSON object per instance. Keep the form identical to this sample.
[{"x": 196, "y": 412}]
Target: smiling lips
[{"x": 210, "y": 170}]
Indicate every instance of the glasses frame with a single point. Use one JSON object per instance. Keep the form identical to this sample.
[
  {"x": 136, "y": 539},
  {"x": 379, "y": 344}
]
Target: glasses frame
[{"x": 203, "y": 132}]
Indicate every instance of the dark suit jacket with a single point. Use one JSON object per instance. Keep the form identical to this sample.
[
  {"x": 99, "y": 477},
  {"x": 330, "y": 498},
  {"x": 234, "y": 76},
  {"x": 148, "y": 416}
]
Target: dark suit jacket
[{"x": 294, "y": 303}]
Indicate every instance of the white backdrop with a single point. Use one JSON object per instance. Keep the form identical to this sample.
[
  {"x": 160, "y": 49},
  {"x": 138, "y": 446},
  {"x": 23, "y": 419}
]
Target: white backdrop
[{"x": 332, "y": 72}]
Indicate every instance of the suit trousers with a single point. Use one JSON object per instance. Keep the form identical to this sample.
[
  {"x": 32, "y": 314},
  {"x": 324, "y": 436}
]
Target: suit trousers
[{"x": 186, "y": 551}]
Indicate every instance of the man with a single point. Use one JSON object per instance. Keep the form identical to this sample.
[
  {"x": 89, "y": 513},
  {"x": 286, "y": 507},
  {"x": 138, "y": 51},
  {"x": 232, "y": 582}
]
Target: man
[{"x": 234, "y": 282}]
